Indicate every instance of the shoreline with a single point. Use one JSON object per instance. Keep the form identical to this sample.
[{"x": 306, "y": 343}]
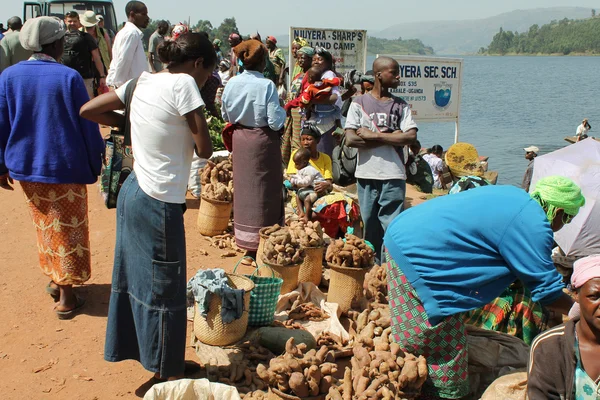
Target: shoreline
[{"x": 537, "y": 55}]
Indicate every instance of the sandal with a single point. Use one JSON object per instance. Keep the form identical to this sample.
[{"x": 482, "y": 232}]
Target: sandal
[
  {"x": 79, "y": 303},
  {"x": 53, "y": 292}
]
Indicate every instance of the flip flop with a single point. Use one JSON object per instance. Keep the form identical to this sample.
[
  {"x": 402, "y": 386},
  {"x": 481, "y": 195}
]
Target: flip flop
[
  {"x": 79, "y": 303},
  {"x": 53, "y": 292}
]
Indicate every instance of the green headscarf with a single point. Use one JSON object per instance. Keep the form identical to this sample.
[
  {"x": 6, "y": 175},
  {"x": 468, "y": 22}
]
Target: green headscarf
[
  {"x": 307, "y": 51},
  {"x": 554, "y": 192}
]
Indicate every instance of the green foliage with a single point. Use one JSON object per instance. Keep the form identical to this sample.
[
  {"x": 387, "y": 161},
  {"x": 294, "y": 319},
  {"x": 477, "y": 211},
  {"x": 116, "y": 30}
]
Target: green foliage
[
  {"x": 397, "y": 46},
  {"x": 215, "y": 128},
  {"x": 558, "y": 37},
  {"x": 222, "y": 32}
]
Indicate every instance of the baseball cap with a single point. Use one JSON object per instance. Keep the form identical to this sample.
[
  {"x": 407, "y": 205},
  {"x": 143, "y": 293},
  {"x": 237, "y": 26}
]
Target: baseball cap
[{"x": 532, "y": 149}]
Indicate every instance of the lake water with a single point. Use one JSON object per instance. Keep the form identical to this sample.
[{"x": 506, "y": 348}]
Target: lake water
[{"x": 509, "y": 103}]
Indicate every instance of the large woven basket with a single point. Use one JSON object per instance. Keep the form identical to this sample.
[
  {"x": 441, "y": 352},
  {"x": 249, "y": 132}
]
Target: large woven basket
[
  {"x": 312, "y": 267},
  {"x": 213, "y": 216},
  {"x": 275, "y": 394},
  {"x": 261, "y": 242},
  {"x": 212, "y": 330},
  {"x": 345, "y": 285},
  {"x": 289, "y": 274}
]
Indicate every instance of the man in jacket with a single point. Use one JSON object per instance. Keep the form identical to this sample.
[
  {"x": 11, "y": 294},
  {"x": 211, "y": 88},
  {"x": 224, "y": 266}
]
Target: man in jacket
[{"x": 11, "y": 50}]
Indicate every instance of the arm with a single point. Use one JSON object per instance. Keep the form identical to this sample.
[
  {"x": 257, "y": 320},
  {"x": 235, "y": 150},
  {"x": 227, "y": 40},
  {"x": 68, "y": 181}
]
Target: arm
[
  {"x": 199, "y": 128},
  {"x": 99, "y": 66},
  {"x": 151, "y": 51},
  {"x": 349, "y": 93},
  {"x": 108, "y": 44},
  {"x": 275, "y": 113},
  {"x": 151, "y": 61},
  {"x": 396, "y": 138},
  {"x": 101, "y": 110},
  {"x": 353, "y": 124},
  {"x": 541, "y": 384}
]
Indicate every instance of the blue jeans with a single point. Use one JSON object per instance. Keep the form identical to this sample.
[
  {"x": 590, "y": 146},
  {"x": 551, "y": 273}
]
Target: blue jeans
[
  {"x": 147, "y": 310},
  {"x": 380, "y": 202}
]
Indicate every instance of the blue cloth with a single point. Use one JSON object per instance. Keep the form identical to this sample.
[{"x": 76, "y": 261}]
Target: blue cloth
[
  {"x": 252, "y": 101},
  {"x": 147, "y": 314},
  {"x": 42, "y": 137},
  {"x": 380, "y": 202},
  {"x": 214, "y": 281},
  {"x": 460, "y": 252}
]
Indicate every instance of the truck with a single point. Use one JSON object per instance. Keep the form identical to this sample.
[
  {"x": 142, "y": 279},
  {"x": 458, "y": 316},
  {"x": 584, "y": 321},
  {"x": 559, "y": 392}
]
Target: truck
[{"x": 58, "y": 8}]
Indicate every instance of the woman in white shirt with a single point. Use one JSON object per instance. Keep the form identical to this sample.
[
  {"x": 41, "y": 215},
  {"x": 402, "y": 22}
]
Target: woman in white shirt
[
  {"x": 147, "y": 311},
  {"x": 434, "y": 159}
]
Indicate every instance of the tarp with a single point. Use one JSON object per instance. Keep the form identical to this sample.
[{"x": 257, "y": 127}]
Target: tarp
[{"x": 580, "y": 162}]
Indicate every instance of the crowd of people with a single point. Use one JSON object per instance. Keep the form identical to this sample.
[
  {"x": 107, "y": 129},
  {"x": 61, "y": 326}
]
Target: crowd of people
[{"x": 445, "y": 258}]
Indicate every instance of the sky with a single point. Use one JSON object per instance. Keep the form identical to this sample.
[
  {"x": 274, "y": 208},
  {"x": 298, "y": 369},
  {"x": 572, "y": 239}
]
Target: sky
[{"x": 275, "y": 18}]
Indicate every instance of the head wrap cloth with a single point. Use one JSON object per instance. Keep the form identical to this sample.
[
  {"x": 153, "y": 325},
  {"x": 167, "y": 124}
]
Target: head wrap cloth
[
  {"x": 40, "y": 31},
  {"x": 584, "y": 270},
  {"x": 558, "y": 192},
  {"x": 307, "y": 51},
  {"x": 251, "y": 52},
  {"x": 301, "y": 42}
]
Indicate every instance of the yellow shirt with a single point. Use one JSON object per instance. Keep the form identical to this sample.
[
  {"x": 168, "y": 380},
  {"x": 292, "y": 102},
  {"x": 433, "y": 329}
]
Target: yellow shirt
[{"x": 322, "y": 164}]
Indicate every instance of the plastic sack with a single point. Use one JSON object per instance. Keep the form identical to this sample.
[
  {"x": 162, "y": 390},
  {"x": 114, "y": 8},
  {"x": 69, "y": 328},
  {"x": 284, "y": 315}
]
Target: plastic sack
[
  {"x": 192, "y": 389},
  {"x": 508, "y": 387},
  {"x": 194, "y": 185}
]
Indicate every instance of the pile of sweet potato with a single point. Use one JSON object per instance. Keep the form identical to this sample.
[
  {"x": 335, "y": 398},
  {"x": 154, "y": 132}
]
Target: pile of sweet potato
[
  {"x": 217, "y": 179},
  {"x": 354, "y": 253},
  {"x": 300, "y": 372},
  {"x": 376, "y": 285},
  {"x": 281, "y": 248},
  {"x": 308, "y": 234}
]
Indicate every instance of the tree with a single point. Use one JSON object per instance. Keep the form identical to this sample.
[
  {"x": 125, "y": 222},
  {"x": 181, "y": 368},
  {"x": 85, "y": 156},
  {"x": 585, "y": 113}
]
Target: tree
[
  {"x": 227, "y": 27},
  {"x": 593, "y": 13},
  {"x": 203, "y": 26}
]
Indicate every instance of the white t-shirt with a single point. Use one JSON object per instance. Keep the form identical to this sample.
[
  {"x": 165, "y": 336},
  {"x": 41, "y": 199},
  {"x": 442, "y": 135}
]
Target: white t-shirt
[
  {"x": 582, "y": 130},
  {"x": 224, "y": 77},
  {"x": 436, "y": 164},
  {"x": 161, "y": 139}
]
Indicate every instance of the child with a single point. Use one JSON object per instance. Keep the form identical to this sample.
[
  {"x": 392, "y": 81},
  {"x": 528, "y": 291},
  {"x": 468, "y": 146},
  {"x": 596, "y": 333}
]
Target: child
[
  {"x": 304, "y": 181},
  {"x": 317, "y": 89}
]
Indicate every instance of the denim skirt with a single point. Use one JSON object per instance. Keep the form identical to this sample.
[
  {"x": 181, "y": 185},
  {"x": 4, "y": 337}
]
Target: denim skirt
[{"x": 147, "y": 310}]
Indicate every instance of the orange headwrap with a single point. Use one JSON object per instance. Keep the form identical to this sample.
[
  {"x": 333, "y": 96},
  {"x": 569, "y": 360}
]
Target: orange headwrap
[{"x": 251, "y": 52}]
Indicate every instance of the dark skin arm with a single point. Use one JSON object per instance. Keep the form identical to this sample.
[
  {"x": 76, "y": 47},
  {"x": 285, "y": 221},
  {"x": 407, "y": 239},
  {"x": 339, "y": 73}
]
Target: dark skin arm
[
  {"x": 396, "y": 138},
  {"x": 354, "y": 140},
  {"x": 102, "y": 110},
  {"x": 349, "y": 93},
  {"x": 199, "y": 128},
  {"x": 322, "y": 187}
]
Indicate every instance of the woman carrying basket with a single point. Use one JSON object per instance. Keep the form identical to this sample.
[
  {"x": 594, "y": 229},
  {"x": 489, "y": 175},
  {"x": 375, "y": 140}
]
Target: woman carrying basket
[{"x": 147, "y": 311}]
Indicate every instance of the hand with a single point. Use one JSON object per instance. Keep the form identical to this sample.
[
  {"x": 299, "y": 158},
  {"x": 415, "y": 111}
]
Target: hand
[
  {"x": 102, "y": 82},
  {"x": 321, "y": 187},
  {"x": 366, "y": 134},
  {"x": 6, "y": 181}
]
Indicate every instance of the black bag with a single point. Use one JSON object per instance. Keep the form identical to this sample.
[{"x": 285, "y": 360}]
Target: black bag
[
  {"x": 344, "y": 161},
  {"x": 118, "y": 159}
]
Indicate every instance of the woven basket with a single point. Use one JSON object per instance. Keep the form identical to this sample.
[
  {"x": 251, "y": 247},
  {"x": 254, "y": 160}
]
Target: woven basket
[
  {"x": 345, "y": 285},
  {"x": 213, "y": 216},
  {"x": 275, "y": 394},
  {"x": 211, "y": 330},
  {"x": 263, "y": 299},
  {"x": 312, "y": 267},
  {"x": 261, "y": 242},
  {"x": 289, "y": 274}
]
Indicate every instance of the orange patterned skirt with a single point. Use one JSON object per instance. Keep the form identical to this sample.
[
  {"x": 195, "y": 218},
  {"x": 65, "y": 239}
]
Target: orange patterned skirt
[{"x": 60, "y": 215}]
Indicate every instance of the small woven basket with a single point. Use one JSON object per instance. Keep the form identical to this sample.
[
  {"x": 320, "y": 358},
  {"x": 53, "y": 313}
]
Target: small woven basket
[
  {"x": 212, "y": 330},
  {"x": 289, "y": 274},
  {"x": 213, "y": 216},
  {"x": 261, "y": 242},
  {"x": 263, "y": 299},
  {"x": 345, "y": 285},
  {"x": 312, "y": 266}
]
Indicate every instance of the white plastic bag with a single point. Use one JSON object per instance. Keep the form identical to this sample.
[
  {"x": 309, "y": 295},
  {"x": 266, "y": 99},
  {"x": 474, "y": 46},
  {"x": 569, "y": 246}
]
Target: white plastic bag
[
  {"x": 194, "y": 185},
  {"x": 192, "y": 389}
]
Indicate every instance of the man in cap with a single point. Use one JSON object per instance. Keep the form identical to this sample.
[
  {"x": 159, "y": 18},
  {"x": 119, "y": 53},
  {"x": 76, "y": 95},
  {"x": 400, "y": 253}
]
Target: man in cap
[
  {"x": 531, "y": 153},
  {"x": 157, "y": 38},
  {"x": 129, "y": 59},
  {"x": 11, "y": 50},
  {"x": 81, "y": 52}
]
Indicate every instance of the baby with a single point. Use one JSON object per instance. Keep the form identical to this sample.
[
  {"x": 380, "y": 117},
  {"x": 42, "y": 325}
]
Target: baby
[
  {"x": 317, "y": 90},
  {"x": 304, "y": 181}
]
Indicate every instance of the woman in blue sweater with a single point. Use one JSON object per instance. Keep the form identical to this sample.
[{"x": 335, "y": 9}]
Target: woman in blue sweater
[
  {"x": 53, "y": 153},
  {"x": 457, "y": 253}
]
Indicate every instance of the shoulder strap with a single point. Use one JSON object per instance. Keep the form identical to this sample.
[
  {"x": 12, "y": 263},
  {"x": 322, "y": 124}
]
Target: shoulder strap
[{"x": 128, "y": 97}]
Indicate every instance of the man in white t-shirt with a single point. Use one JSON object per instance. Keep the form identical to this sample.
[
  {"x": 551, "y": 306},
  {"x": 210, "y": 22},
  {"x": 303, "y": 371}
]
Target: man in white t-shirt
[
  {"x": 380, "y": 126},
  {"x": 434, "y": 159},
  {"x": 129, "y": 59},
  {"x": 583, "y": 129}
]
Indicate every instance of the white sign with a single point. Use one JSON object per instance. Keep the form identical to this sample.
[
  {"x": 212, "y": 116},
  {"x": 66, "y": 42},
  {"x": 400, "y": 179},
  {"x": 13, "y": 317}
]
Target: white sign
[
  {"x": 348, "y": 47},
  {"x": 431, "y": 85}
]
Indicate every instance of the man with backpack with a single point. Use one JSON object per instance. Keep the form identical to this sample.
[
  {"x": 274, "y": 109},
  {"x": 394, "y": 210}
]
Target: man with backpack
[
  {"x": 380, "y": 126},
  {"x": 81, "y": 53}
]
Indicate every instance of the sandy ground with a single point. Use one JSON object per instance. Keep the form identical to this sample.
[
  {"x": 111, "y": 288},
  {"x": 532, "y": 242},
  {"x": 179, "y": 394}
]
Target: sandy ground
[{"x": 42, "y": 357}]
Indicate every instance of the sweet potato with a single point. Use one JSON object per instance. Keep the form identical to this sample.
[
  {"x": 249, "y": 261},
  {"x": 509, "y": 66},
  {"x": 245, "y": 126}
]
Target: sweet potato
[{"x": 298, "y": 384}]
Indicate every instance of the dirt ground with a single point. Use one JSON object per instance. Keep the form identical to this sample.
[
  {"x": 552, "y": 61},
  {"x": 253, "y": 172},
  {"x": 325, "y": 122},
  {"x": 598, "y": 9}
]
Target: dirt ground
[{"x": 42, "y": 357}]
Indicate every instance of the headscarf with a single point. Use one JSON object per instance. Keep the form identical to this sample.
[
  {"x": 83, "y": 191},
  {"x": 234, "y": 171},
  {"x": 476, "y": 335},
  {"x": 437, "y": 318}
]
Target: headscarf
[
  {"x": 225, "y": 63},
  {"x": 311, "y": 129},
  {"x": 272, "y": 39},
  {"x": 217, "y": 42},
  {"x": 250, "y": 52},
  {"x": 554, "y": 192},
  {"x": 584, "y": 270},
  {"x": 301, "y": 42},
  {"x": 179, "y": 30},
  {"x": 307, "y": 51},
  {"x": 40, "y": 31},
  {"x": 235, "y": 36}
]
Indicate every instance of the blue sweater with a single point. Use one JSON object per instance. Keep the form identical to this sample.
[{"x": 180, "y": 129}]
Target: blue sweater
[
  {"x": 42, "y": 137},
  {"x": 461, "y": 251}
]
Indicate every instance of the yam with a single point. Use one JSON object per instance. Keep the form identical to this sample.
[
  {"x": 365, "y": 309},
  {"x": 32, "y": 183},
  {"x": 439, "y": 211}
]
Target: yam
[{"x": 298, "y": 384}]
